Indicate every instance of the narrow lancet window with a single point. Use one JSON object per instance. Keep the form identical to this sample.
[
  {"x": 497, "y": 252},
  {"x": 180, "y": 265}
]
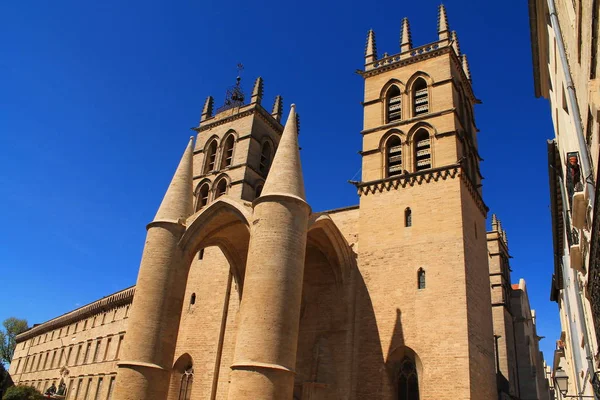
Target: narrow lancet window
[
  {"x": 394, "y": 104},
  {"x": 185, "y": 389},
  {"x": 422, "y": 150},
  {"x": 211, "y": 156},
  {"x": 421, "y": 279},
  {"x": 221, "y": 188},
  {"x": 408, "y": 217},
  {"x": 202, "y": 196},
  {"x": 193, "y": 299},
  {"x": 393, "y": 150},
  {"x": 227, "y": 158},
  {"x": 421, "y": 97},
  {"x": 265, "y": 158}
]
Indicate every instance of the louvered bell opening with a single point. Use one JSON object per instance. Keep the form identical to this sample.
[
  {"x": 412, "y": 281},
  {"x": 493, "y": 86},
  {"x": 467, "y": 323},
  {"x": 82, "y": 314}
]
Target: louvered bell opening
[
  {"x": 423, "y": 154},
  {"x": 421, "y": 100},
  {"x": 395, "y": 108},
  {"x": 394, "y": 154}
]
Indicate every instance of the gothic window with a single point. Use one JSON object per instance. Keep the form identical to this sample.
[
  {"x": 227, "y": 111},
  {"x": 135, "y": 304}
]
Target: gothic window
[
  {"x": 394, "y": 104},
  {"x": 421, "y": 279},
  {"x": 421, "y": 97},
  {"x": 408, "y": 382},
  {"x": 185, "y": 389},
  {"x": 202, "y": 196},
  {"x": 221, "y": 188},
  {"x": 211, "y": 156},
  {"x": 408, "y": 217},
  {"x": 393, "y": 149},
  {"x": 422, "y": 150},
  {"x": 265, "y": 157},
  {"x": 227, "y": 158}
]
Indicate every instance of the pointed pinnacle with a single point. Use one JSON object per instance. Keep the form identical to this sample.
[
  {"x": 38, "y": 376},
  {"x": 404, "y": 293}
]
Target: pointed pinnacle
[
  {"x": 277, "y": 108},
  {"x": 257, "y": 91},
  {"x": 178, "y": 201},
  {"x": 465, "y": 65},
  {"x": 455, "y": 44},
  {"x": 443, "y": 27},
  {"x": 494, "y": 222},
  {"x": 207, "y": 110},
  {"x": 285, "y": 175},
  {"x": 405, "y": 38},
  {"x": 371, "y": 47}
]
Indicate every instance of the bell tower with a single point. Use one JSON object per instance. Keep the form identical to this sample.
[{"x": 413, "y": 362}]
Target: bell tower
[
  {"x": 422, "y": 216},
  {"x": 235, "y": 145}
]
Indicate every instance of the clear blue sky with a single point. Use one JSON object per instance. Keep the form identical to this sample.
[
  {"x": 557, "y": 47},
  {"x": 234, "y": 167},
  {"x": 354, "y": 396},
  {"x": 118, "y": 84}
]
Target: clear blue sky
[{"x": 97, "y": 98}]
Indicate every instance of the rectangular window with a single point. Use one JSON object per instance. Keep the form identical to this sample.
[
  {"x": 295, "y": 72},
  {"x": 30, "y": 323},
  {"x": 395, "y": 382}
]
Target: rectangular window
[
  {"x": 85, "y": 325},
  {"x": 53, "y": 359},
  {"x": 107, "y": 349},
  {"x": 68, "y": 326},
  {"x": 119, "y": 346},
  {"x": 98, "y": 389},
  {"x": 62, "y": 356},
  {"x": 52, "y": 336},
  {"x": 69, "y": 388},
  {"x": 86, "y": 396},
  {"x": 87, "y": 352},
  {"x": 111, "y": 386},
  {"x": 60, "y": 333},
  {"x": 103, "y": 318},
  {"x": 76, "y": 325},
  {"x": 39, "y": 362},
  {"x": 46, "y": 360},
  {"x": 18, "y": 365},
  {"x": 78, "y": 354},
  {"x": 79, "y": 384},
  {"x": 126, "y": 311},
  {"x": 97, "y": 350},
  {"x": 69, "y": 355},
  {"x": 94, "y": 322},
  {"x": 114, "y": 315}
]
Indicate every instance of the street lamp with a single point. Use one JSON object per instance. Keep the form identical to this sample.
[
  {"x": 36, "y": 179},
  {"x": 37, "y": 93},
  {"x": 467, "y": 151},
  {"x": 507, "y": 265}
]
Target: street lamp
[{"x": 561, "y": 381}]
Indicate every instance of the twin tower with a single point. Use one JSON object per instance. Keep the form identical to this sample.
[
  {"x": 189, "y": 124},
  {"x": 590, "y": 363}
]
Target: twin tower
[{"x": 247, "y": 290}]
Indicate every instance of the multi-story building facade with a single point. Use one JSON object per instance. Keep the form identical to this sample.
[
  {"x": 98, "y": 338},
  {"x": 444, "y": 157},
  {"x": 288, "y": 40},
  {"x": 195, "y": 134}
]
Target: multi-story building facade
[
  {"x": 564, "y": 36},
  {"x": 245, "y": 293}
]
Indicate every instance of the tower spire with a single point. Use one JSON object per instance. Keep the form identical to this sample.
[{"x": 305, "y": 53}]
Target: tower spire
[
  {"x": 494, "y": 222},
  {"x": 405, "y": 38},
  {"x": 179, "y": 198},
  {"x": 465, "y": 65},
  {"x": 207, "y": 110},
  {"x": 285, "y": 175},
  {"x": 257, "y": 91},
  {"x": 443, "y": 27},
  {"x": 455, "y": 44},
  {"x": 277, "y": 108},
  {"x": 371, "y": 49}
]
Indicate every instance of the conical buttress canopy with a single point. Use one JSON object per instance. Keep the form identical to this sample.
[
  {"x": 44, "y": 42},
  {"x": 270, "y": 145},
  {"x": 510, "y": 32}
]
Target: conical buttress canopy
[
  {"x": 179, "y": 199},
  {"x": 285, "y": 176}
]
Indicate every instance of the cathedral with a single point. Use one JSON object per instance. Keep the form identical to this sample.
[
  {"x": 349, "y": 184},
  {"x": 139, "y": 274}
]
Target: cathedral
[{"x": 245, "y": 292}]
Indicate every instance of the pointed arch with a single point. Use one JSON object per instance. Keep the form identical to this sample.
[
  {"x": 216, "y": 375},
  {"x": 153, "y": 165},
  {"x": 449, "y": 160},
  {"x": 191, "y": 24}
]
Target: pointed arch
[
  {"x": 419, "y": 88},
  {"x": 324, "y": 233},
  {"x": 421, "y": 278},
  {"x": 223, "y": 223},
  {"x": 421, "y": 144},
  {"x": 210, "y": 155},
  {"x": 183, "y": 377},
  {"x": 407, "y": 217},
  {"x": 258, "y": 188},
  {"x": 202, "y": 193},
  {"x": 266, "y": 156},
  {"x": 393, "y": 155},
  {"x": 228, "y": 145},
  {"x": 221, "y": 185},
  {"x": 405, "y": 369}
]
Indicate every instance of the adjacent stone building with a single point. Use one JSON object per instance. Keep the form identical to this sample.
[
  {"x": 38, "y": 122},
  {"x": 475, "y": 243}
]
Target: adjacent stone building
[
  {"x": 565, "y": 46},
  {"x": 244, "y": 292}
]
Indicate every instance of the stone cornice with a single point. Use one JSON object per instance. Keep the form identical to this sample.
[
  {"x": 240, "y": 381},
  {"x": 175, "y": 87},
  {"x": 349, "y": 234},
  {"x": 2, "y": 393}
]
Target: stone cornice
[
  {"x": 398, "y": 124},
  {"x": 420, "y": 178},
  {"x": 243, "y": 112},
  {"x": 117, "y": 299}
]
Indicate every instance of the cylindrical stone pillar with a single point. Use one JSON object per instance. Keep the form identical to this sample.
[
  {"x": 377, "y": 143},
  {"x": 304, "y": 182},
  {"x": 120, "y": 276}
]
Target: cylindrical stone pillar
[
  {"x": 149, "y": 345},
  {"x": 267, "y": 338}
]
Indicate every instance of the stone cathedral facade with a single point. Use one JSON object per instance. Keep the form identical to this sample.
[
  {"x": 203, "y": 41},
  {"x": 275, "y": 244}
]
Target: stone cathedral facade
[{"x": 245, "y": 292}]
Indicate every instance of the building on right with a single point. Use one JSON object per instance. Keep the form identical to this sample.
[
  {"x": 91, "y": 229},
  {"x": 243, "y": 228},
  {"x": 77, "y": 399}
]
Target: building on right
[{"x": 564, "y": 40}]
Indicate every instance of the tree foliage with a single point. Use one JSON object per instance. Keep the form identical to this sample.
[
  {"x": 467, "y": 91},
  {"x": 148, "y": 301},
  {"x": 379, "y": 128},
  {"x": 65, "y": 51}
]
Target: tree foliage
[
  {"x": 12, "y": 327},
  {"x": 22, "y": 393}
]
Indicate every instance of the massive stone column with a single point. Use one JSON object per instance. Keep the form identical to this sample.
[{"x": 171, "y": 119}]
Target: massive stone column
[
  {"x": 267, "y": 338},
  {"x": 149, "y": 345}
]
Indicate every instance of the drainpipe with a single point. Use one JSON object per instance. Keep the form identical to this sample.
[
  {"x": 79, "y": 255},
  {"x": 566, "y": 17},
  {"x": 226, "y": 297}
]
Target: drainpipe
[
  {"x": 567, "y": 265},
  {"x": 585, "y": 158}
]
